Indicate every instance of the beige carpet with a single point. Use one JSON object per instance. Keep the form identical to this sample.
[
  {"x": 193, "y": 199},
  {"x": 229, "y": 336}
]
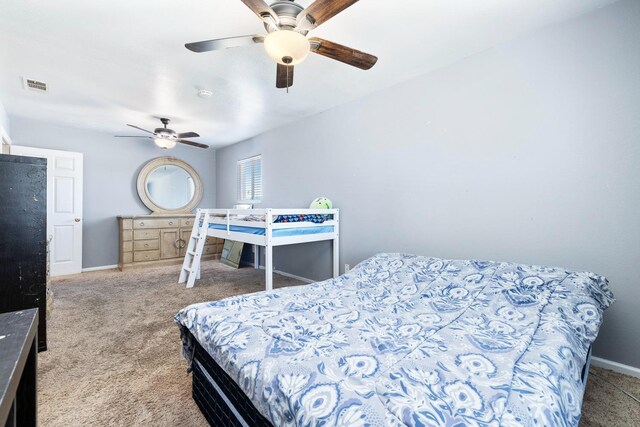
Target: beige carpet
[{"x": 114, "y": 351}]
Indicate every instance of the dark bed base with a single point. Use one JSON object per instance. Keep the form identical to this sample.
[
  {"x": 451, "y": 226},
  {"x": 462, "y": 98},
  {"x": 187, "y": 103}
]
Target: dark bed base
[{"x": 220, "y": 399}]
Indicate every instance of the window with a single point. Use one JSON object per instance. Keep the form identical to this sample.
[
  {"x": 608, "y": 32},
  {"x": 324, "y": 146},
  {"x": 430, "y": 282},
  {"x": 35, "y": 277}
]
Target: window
[{"x": 250, "y": 179}]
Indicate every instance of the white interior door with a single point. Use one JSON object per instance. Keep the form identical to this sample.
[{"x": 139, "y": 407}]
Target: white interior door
[{"x": 64, "y": 207}]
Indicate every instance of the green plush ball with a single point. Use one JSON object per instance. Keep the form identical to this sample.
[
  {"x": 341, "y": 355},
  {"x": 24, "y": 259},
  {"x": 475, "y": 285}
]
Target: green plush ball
[{"x": 321, "y": 203}]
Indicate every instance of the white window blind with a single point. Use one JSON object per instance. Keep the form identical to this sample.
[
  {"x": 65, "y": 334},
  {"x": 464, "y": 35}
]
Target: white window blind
[{"x": 250, "y": 179}]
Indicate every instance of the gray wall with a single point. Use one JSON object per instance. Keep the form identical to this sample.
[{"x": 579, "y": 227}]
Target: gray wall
[
  {"x": 4, "y": 120},
  {"x": 111, "y": 167},
  {"x": 527, "y": 152}
]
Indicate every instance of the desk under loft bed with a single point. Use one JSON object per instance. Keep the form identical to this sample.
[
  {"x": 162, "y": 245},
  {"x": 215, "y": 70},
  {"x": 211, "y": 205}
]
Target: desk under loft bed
[{"x": 262, "y": 228}]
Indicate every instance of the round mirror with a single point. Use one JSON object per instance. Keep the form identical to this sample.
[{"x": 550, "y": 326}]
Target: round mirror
[{"x": 169, "y": 185}]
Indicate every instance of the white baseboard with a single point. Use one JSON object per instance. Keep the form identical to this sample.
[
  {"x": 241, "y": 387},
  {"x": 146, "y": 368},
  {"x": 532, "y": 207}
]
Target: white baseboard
[
  {"x": 293, "y": 276},
  {"x": 285, "y": 274},
  {"x": 615, "y": 366},
  {"x": 100, "y": 267}
]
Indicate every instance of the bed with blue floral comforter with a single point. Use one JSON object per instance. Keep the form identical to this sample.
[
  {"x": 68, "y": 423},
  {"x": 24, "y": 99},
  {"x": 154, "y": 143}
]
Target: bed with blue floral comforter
[{"x": 411, "y": 340}]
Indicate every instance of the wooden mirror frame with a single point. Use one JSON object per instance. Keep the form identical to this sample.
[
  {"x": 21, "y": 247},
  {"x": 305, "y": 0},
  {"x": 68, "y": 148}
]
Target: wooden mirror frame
[{"x": 149, "y": 167}]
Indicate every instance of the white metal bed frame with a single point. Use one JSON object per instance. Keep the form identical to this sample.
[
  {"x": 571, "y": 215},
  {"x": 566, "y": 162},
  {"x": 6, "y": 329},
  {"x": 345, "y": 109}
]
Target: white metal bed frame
[{"x": 191, "y": 265}]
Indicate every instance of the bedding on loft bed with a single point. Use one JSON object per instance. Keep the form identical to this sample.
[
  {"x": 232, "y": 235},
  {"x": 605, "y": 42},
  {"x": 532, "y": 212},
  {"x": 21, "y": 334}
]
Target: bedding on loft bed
[
  {"x": 278, "y": 232},
  {"x": 413, "y": 340},
  {"x": 315, "y": 218}
]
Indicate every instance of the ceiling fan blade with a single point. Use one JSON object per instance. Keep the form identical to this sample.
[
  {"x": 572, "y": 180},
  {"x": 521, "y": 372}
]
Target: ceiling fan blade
[
  {"x": 225, "y": 43},
  {"x": 188, "y": 135},
  {"x": 345, "y": 54},
  {"x": 321, "y": 11},
  {"x": 139, "y": 128},
  {"x": 132, "y": 136},
  {"x": 284, "y": 76},
  {"x": 262, "y": 9},
  {"x": 195, "y": 144}
]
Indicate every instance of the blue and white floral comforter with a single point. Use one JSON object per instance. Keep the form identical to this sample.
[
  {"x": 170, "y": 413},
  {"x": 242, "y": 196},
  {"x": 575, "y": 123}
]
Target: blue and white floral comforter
[{"x": 411, "y": 340}]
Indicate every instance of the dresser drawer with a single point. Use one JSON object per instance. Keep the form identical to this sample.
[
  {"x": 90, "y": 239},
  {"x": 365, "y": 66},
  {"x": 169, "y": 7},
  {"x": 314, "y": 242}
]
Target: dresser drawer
[
  {"x": 141, "y": 256},
  {"x": 146, "y": 234},
  {"x": 156, "y": 223},
  {"x": 146, "y": 245},
  {"x": 211, "y": 240},
  {"x": 210, "y": 249},
  {"x": 186, "y": 222}
]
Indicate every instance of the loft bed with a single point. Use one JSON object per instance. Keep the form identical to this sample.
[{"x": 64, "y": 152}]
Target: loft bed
[{"x": 262, "y": 228}]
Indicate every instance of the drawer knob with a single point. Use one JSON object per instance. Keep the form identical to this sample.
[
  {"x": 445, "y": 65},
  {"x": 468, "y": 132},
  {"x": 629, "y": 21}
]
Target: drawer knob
[
  {"x": 142, "y": 223},
  {"x": 170, "y": 222},
  {"x": 146, "y": 245}
]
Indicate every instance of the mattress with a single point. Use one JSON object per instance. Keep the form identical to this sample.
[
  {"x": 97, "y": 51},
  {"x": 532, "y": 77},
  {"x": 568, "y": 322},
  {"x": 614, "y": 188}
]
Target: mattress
[
  {"x": 409, "y": 340},
  {"x": 277, "y": 232}
]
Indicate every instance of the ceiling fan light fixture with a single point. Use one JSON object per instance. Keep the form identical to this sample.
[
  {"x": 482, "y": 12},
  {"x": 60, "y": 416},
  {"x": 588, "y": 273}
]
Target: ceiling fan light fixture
[
  {"x": 287, "y": 47},
  {"x": 165, "y": 143}
]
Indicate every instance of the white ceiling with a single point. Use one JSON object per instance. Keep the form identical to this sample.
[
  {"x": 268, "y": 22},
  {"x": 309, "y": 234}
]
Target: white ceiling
[{"x": 114, "y": 62}]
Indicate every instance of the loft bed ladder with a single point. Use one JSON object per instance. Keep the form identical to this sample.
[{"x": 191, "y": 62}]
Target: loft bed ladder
[{"x": 191, "y": 264}]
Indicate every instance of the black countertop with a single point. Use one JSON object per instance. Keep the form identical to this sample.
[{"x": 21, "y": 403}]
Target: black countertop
[{"x": 17, "y": 332}]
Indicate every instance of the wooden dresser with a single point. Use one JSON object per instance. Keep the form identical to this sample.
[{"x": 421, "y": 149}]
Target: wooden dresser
[{"x": 159, "y": 239}]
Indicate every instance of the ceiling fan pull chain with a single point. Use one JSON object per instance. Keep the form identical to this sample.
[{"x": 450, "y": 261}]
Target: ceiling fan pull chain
[{"x": 287, "y": 63}]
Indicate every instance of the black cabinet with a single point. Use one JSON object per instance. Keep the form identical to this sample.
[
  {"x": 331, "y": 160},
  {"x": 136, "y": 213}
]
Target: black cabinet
[{"x": 23, "y": 237}]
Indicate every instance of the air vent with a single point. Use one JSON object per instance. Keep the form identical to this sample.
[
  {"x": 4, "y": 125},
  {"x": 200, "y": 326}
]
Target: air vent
[{"x": 34, "y": 85}]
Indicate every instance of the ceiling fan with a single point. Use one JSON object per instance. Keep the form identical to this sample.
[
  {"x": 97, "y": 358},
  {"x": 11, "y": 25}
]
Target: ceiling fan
[
  {"x": 165, "y": 137},
  {"x": 288, "y": 24}
]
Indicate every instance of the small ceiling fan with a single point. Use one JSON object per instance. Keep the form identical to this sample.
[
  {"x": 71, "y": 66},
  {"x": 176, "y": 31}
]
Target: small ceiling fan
[
  {"x": 288, "y": 24},
  {"x": 165, "y": 137}
]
